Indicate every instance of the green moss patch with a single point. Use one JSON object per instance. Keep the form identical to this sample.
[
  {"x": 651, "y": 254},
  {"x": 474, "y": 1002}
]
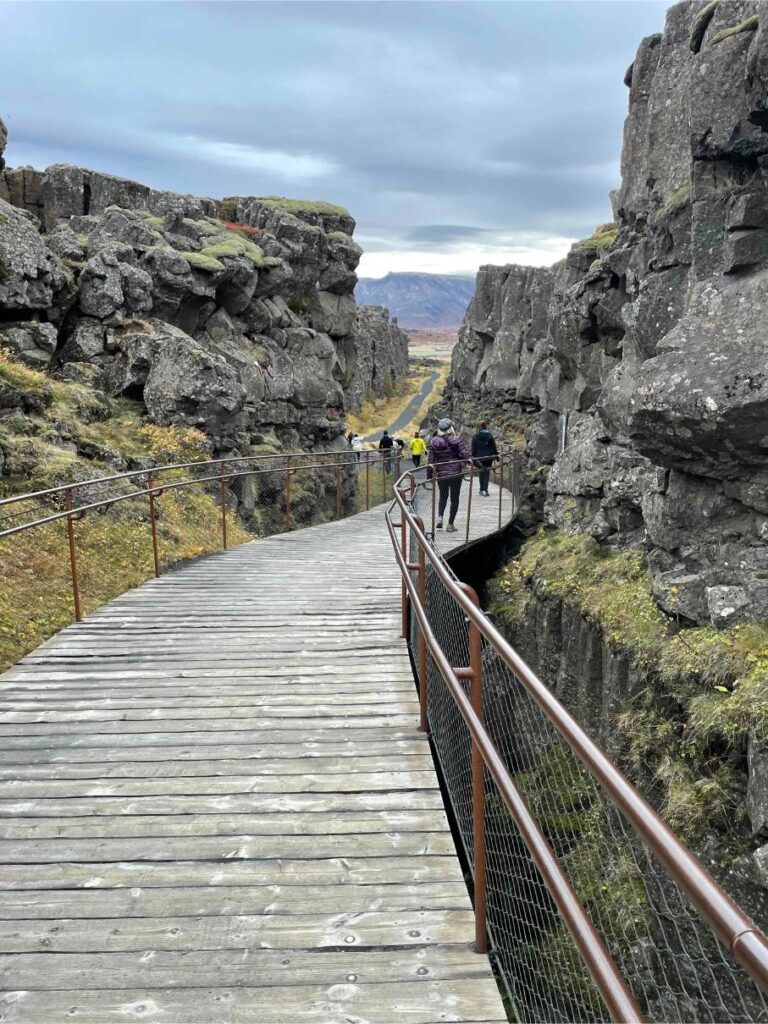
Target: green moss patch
[
  {"x": 234, "y": 245},
  {"x": 203, "y": 261},
  {"x": 603, "y": 238},
  {"x": 684, "y": 735},
  {"x": 304, "y": 206},
  {"x": 748, "y": 25},
  {"x": 675, "y": 201}
]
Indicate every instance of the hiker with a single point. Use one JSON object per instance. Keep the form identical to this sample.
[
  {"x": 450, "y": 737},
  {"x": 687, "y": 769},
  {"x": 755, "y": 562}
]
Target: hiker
[
  {"x": 484, "y": 454},
  {"x": 447, "y": 455},
  {"x": 357, "y": 445},
  {"x": 350, "y": 435},
  {"x": 418, "y": 448},
  {"x": 386, "y": 444}
]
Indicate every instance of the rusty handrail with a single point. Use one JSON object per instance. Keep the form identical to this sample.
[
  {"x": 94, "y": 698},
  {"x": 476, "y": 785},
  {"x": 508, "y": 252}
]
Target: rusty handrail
[
  {"x": 746, "y": 942},
  {"x": 59, "y": 504},
  {"x": 79, "y": 484},
  {"x": 341, "y": 460},
  {"x": 612, "y": 986}
]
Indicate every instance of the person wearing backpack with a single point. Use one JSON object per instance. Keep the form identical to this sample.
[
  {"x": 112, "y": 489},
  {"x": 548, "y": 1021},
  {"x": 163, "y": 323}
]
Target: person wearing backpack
[
  {"x": 447, "y": 455},
  {"x": 484, "y": 454}
]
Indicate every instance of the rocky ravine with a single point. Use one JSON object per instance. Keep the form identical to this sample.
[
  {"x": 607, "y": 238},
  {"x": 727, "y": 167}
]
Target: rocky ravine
[
  {"x": 638, "y": 366},
  {"x": 235, "y": 316},
  {"x": 634, "y": 374}
]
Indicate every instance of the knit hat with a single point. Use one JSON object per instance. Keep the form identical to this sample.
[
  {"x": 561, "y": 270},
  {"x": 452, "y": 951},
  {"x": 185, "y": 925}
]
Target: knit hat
[{"x": 445, "y": 425}]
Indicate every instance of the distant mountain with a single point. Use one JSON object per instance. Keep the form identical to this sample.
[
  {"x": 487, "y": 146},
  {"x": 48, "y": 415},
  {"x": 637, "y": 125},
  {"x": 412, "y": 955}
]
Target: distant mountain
[{"x": 419, "y": 301}]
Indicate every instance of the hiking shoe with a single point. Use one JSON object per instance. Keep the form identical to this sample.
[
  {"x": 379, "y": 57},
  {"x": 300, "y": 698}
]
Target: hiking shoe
[
  {"x": 439, "y": 524},
  {"x": 450, "y": 528}
]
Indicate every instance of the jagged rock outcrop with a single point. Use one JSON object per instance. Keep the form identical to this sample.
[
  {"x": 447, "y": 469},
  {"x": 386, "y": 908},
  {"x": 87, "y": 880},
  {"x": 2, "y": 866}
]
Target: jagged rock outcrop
[
  {"x": 378, "y": 357},
  {"x": 235, "y": 316},
  {"x": 639, "y": 364}
]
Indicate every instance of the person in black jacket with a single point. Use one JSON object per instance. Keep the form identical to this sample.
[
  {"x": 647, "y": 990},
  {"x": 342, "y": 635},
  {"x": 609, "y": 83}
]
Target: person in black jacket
[
  {"x": 386, "y": 445},
  {"x": 484, "y": 453}
]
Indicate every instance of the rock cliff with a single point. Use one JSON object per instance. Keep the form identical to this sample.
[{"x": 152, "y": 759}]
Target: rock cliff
[
  {"x": 638, "y": 367},
  {"x": 233, "y": 316}
]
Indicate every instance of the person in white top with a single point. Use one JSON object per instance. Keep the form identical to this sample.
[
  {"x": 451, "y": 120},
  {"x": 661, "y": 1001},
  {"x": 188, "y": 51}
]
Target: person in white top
[{"x": 357, "y": 445}]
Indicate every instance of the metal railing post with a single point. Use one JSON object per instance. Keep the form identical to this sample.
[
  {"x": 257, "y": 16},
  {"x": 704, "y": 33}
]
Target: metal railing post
[
  {"x": 475, "y": 676},
  {"x": 501, "y": 485},
  {"x": 434, "y": 497},
  {"x": 367, "y": 479},
  {"x": 422, "y": 653},
  {"x": 403, "y": 588},
  {"x": 288, "y": 473},
  {"x": 223, "y": 494},
  {"x": 153, "y": 525},
  {"x": 72, "y": 554},
  {"x": 515, "y": 486},
  {"x": 469, "y": 498},
  {"x": 338, "y": 488}
]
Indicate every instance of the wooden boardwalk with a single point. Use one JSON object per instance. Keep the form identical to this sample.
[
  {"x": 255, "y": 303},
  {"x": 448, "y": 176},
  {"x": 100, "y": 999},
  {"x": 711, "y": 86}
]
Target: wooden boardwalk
[{"x": 215, "y": 806}]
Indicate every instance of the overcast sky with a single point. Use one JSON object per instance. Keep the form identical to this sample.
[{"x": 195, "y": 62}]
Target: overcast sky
[{"x": 456, "y": 133}]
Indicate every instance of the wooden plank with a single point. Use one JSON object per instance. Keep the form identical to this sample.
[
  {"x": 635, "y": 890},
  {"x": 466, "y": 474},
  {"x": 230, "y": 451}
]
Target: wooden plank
[
  {"x": 203, "y": 785},
  {"x": 266, "y": 931},
  {"x": 352, "y": 870},
  {"x": 277, "y": 800},
  {"x": 322, "y": 733},
  {"x": 420, "y": 1002},
  {"x": 246, "y": 847},
  {"x": 260, "y": 968},
  {"x": 237, "y": 759},
  {"x": 231, "y": 900},
  {"x": 339, "y": 820}
]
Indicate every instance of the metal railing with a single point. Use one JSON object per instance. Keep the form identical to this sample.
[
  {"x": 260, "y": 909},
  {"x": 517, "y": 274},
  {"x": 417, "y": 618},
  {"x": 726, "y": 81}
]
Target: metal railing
[
  {"x": 96, "y": 538},
  {"x": 593, "y": 908}
]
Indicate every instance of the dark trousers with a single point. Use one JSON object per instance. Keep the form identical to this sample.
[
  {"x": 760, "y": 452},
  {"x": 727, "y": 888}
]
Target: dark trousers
[
  {"x": 416, "y": 460},
  {"x": 484, "y": 476},
  {"x": 449, "y": 487}
]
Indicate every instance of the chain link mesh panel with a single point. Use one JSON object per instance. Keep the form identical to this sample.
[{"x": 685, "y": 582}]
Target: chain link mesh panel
[{"x": 674, "y": 965}]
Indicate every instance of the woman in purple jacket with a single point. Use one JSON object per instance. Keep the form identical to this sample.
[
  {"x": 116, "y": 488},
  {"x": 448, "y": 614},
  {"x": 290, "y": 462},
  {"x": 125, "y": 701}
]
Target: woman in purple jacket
[{"x": 447, "y": 455}]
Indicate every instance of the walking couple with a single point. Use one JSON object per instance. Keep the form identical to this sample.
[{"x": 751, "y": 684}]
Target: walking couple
[{"x": 447, "y": 456}]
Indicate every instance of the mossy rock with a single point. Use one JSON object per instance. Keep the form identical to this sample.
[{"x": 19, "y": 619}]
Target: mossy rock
[
  {"x": 700, "y": 25},
  {"x": 305, "y": 206},
  {"x": 603, "y": 238},
  {"x": 675, "y": 201},
  {"x": 748, "y": 25},
  {"x": 235, "y": 245},
  {"x": 229, "y": 207},
  {"x": 203, "y": 261}
]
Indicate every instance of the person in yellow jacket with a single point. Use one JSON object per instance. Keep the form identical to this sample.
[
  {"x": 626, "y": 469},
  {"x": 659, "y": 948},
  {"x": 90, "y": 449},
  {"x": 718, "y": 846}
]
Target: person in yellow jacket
[{"x": 418, "y": 448}]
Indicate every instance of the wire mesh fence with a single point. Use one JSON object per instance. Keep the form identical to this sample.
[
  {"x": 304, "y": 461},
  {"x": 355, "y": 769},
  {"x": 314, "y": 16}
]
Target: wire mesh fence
[{"x": 674, "y": 965}]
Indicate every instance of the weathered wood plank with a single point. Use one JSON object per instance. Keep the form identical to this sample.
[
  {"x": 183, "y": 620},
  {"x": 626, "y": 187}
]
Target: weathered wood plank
[
  {"x": 266, "y": 931},
  {"x": 421, "y": 1002},
  {"x": 228, "y": 900},
  {"x": 245, "y": 847},
  {"x": 276, "y": 801},
  {"x": 237, "y": 759},
  {"x": 355, "y": 870},
  {"x": 260, "y": 968},
  {"x": 339, "y": 820},
  {"x": 218, "y": 785}
]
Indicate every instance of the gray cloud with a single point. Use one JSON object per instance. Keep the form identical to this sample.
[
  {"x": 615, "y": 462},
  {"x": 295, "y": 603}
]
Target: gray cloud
[{"x": 420, "y": 117}]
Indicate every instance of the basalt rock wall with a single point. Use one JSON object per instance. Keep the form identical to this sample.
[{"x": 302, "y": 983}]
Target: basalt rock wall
[
  {"x": 234, "y": 316},
  {"x": 638, "y": 366}
]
